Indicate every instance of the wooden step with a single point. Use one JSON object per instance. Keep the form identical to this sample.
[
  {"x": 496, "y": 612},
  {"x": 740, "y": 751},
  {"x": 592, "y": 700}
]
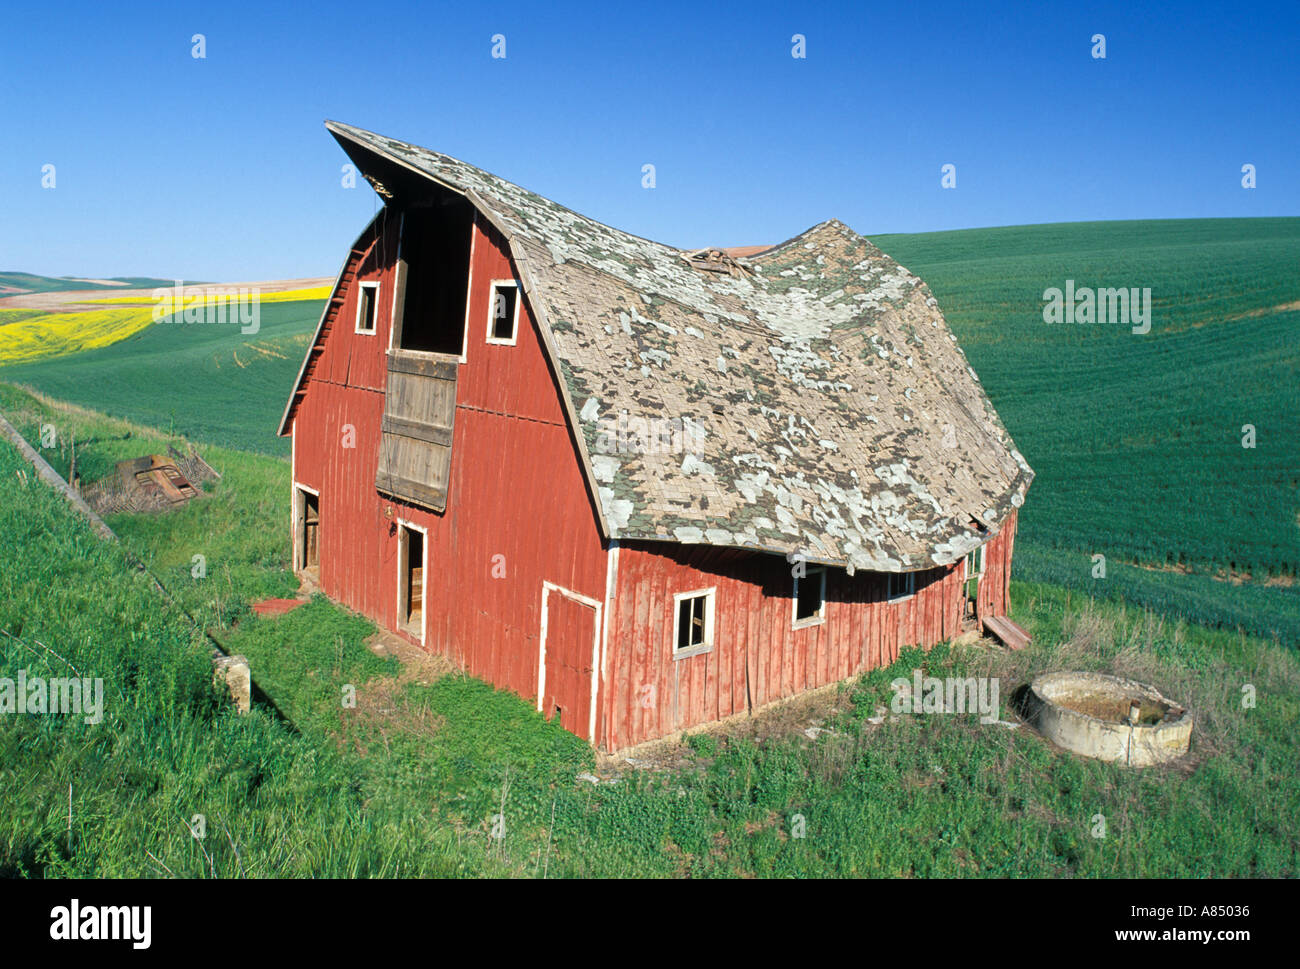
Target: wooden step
[{"x": 1013, "y": 635}]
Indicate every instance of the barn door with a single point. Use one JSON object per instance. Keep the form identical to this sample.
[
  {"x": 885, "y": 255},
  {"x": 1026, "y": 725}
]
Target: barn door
[
  {"x": 569, "y": 654},
  {"x": 419, "y": 410}
]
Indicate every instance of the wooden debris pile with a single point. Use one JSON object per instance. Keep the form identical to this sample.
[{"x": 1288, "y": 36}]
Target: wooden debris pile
[{"x": 154, "y": 482}]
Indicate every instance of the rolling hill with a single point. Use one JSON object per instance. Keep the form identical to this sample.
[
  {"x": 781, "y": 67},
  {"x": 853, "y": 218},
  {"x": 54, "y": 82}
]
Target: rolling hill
[{"x": 15, "y": 283}]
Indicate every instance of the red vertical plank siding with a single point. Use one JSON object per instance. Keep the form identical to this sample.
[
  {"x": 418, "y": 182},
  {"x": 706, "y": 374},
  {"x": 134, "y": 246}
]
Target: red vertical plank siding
[
  {"x": 516, "y": 489},
  {"x": 753, "y": 613},
  {"x": 994, "y": 596}
]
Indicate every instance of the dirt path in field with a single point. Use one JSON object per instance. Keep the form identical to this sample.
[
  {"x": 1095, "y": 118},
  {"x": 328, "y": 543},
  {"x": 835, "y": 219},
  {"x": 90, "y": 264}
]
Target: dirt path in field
[{"x": 1267, "y": 311}]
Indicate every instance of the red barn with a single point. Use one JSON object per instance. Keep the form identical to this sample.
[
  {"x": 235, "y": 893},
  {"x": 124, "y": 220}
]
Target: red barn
[{"x": 647, "y": 488}]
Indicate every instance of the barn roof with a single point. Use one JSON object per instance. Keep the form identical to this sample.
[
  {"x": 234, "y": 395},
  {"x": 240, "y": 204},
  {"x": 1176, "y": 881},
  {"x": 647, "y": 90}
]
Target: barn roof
[{"x": 824, "y": 404}]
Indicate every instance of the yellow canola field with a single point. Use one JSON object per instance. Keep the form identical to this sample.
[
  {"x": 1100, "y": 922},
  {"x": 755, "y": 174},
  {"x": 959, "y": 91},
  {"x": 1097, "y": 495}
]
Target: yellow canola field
[
  {"x": 286, "y": 296},
  {"x": 24, "y": 337},
  {"x": 27, "y": 335}
]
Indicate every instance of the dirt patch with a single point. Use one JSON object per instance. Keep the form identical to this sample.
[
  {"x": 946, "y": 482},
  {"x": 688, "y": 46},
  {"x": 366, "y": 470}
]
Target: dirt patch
[
  {"x": 1231, "y": 576},
  {"x": 276, "y": 607},
  {"x": 418, "y": 665},
  {"x": 1267, "y": 311}
]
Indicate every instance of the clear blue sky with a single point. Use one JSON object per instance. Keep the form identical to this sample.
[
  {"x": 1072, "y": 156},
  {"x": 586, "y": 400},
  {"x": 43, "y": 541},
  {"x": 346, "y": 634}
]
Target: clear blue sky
[{"x": 220, "y": 169}]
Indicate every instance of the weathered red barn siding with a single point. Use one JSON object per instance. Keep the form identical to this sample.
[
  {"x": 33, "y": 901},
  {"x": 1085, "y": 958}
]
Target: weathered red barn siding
[
  {"x": 994, "y": 598},
  {"x": 757, "y": 656},
  {"x": 517, "y": 500}
]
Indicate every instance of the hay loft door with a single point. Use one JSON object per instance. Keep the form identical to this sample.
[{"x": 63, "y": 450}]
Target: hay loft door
[{"x": 415, "y": 449}]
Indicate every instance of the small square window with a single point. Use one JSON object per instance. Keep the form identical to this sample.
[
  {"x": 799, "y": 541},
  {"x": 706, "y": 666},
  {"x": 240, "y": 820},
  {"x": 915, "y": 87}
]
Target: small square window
[
  {"x": 692, "y": 623},
  {"x": 810, "y": 597},
  {"x": 901, "y": 585},
  {"x": 503, "y": 312},
  {"x": 975, "y": 563},
  {"x": 368, "y": 299}
]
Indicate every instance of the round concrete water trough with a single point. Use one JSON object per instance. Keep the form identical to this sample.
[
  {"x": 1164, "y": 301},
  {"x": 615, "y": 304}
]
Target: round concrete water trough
[{"x": 1110, "y": 718}]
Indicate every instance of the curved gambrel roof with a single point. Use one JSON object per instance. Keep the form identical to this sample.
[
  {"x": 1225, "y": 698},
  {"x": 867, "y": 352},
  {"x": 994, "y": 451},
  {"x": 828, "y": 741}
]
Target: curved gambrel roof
[{"x": 822, "y": 404}]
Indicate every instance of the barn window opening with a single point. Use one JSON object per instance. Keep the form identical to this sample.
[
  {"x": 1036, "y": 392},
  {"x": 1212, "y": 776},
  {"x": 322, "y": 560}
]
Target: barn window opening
[
  {"x": 309, "y": 530},
  {"x": 368, "y": 298},
  {"x": 411, "y": 575},
  {"x": 434, "y": 271},
  {"x": 900, "y": 585},
  {"x": 974, "y": 569},
  {"x": 503, "y": 312},
  {"x": 810, "y": 597},
  {"x": 693, "y": 622}
]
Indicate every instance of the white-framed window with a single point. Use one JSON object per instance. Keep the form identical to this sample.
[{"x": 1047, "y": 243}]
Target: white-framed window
[
  {"x": 809, "y": 597},
  {"x": 503, "y": 312},
  {"x": 693, "y": 622},
  {"x": 367, "y": 307},
  {"x": 975, "y": 563},
  {"x": 900, "y": 585}
]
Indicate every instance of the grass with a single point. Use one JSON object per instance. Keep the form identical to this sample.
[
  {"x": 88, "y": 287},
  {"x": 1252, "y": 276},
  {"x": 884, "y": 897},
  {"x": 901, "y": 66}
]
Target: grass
[
  {"x": 28, "y": 335},
  {"x": 241, "y": 564},
  {"x": 1209, "y": 599},
  {"x": 414, "y": 777}
]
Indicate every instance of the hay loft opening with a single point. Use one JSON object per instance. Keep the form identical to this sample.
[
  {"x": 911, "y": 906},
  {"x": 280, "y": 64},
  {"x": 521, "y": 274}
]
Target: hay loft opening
[{"x": 434, "y": 254}]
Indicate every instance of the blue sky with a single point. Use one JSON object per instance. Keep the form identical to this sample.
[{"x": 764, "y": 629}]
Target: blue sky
[{"x": 220, "y": 168}]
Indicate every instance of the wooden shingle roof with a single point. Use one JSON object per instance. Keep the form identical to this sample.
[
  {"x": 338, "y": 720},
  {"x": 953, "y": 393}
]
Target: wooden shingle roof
[{"x": 812, "y": 398}]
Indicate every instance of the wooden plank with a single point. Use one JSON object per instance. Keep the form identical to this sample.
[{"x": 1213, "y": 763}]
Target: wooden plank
[
  {"x": 438, "y": 366},
  {"x": 408, "y": 490},
  {"x": 400, "y": 271},
  {"x": 417, "y": 430},
  {"x": 1010, "y": 633}
]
